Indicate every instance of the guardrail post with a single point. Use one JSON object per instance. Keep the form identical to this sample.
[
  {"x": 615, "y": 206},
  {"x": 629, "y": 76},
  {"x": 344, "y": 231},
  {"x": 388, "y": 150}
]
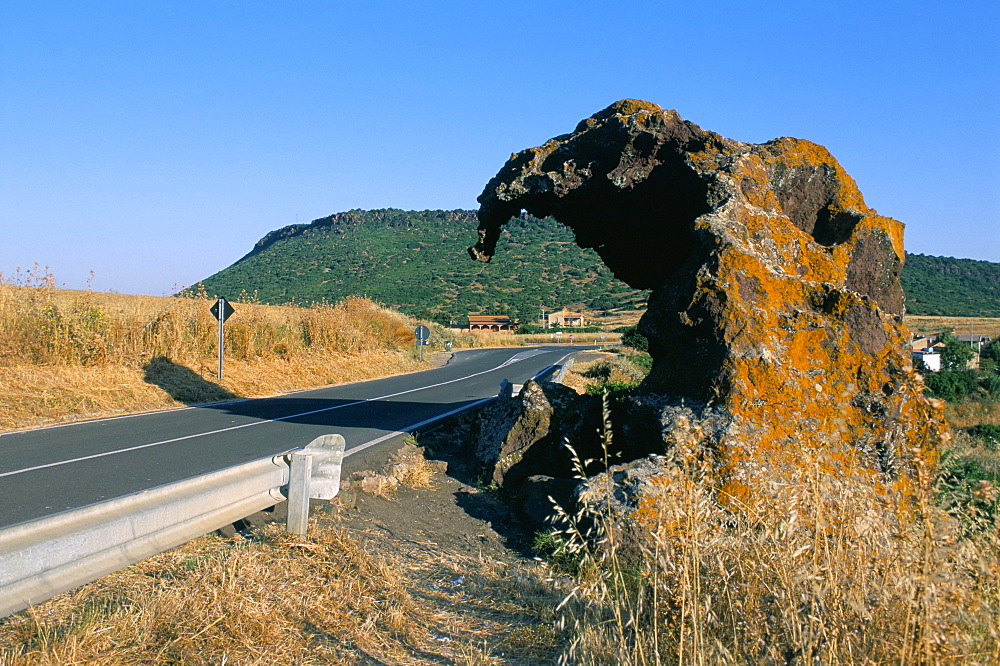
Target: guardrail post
[
  {"x": 300, "y": 472},
  {"x": 561, "y": 373},
  {"x": 314, "y": 473}
]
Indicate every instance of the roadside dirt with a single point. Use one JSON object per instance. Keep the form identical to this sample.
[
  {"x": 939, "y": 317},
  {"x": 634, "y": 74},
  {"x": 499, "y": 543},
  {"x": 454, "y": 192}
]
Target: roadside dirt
[
  {"x": 466, "y": 563},
  {"x": 466, "y": 558}
]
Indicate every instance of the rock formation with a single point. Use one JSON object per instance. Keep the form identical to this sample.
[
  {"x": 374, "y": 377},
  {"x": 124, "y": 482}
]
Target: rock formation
[
  {"x": 518, "y": 437},
  {"x": 775, "y": 320}
]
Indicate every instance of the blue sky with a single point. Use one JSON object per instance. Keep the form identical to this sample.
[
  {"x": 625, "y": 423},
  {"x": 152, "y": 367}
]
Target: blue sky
[{"x": 155, "y": 143}]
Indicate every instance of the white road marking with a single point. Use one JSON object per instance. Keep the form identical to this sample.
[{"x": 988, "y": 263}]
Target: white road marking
[
  {"x": 281, "y": 418},
  {"x": 411, "y": 428}
]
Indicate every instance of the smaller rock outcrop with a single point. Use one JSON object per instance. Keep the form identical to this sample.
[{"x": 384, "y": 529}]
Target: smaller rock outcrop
[
  {"x": 525, "y": 435},
  {"x": 407, "y": 466}
]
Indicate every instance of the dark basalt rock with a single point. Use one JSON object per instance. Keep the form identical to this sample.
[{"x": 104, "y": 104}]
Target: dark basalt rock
[
  {"x": 514, "y": 438},
  {"x": 776, "y": 306}
]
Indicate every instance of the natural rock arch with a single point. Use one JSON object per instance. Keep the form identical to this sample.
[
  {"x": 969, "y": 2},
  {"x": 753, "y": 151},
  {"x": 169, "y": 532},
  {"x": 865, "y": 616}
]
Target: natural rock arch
[{"x": 775, "y": 320}]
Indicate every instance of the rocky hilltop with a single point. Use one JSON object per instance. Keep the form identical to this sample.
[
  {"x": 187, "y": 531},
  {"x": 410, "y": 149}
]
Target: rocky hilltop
[{"x": 775, "y": 318}]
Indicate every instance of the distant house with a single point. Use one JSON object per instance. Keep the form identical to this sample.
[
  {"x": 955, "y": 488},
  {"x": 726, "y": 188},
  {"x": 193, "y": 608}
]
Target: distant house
[
  {"x": 929, "y": 357},
  {"x": 977, "y": 342},
  {"x": 924, "y": 340},
  {"x": 566, "y": 318},
  {"x": 491, "y": 323}
]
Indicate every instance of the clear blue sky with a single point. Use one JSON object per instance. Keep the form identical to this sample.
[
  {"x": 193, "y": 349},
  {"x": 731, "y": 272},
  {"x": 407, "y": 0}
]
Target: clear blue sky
[{"x": 155, "y": 143}]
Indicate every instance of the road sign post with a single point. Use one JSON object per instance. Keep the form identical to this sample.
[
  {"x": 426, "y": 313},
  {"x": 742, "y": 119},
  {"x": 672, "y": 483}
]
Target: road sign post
[
  {"x": 421, "y": 333},
  {"x": 221, "y": 310}
]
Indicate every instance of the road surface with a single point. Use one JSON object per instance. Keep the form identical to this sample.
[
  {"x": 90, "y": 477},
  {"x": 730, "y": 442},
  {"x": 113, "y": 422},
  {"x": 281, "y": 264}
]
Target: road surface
[{"x": 50, "y": 470}]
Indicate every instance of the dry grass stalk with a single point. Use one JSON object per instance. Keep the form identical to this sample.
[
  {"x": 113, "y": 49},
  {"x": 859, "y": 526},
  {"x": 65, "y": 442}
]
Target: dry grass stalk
[{"x": 825, "y": 570}]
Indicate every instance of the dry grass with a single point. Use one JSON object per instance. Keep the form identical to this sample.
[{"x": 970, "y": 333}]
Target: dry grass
[
  {"x": 960, "y": 325},
  {"x": 275, "y": 600},
  {"x": 608, "y": 369},
  {"x": 406, "y": 467},
  {"x": 826, "y": 570},
  {"x": 578, "y": 338},
  {"x": 77, "y": 354},
  {"x": 339, "y": 597},
  {"x": 579, "y": 375},
  {"x": 617, "y": 318},
  {"x": 494, "y": 339},
  {"x": 967, "y": 414}
]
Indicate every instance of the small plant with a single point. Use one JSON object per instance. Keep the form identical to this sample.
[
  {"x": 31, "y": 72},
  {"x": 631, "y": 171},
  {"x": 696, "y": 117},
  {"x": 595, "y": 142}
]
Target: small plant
[
  {"x": 987, "y": 434},
  {"x": 552, "y": 546},
  {"x": 619, "y": 375}
]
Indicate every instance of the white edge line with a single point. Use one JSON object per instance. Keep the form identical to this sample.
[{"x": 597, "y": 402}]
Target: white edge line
[
  {"x": 411, "y": 428},
  {"x": 208, "y": 405},
  {"x": 256, "y": 423}
]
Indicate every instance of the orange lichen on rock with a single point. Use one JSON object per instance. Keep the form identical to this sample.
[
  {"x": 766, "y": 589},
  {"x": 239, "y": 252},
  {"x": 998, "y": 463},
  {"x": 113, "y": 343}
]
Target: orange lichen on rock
[{"x": 776, "y": 310}]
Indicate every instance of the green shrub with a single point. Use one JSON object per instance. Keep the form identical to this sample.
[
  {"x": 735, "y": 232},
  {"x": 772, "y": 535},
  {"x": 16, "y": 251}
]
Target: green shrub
[
  {"x": 552, "y": 546},
  {"x": 952, "y": 385},
  {"x": 987, "y": 434},
  {"x": 991, "y": 385},
  {"x": 631, "y": 337}
]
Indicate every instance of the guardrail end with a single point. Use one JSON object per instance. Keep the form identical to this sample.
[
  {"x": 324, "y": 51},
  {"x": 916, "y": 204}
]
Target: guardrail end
[{"x": 328, "y": 462}]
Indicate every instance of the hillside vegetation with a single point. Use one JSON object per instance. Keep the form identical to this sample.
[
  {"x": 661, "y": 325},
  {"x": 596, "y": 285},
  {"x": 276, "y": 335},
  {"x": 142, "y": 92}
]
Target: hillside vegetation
[
  {"x": 415, "y": 261},
  {"x": 948, "y": 286}
]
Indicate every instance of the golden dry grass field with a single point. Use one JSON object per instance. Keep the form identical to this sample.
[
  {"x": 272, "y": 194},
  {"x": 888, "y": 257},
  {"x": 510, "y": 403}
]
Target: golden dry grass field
[
  {"x": 70, "y": 354},
  {"x": 75, "y": 354},
  {"x": 960, "y": 325}
]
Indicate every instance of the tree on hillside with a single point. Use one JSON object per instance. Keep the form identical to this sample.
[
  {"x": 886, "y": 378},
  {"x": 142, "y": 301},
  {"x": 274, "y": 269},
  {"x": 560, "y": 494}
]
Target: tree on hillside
[
  {"x": 989, "y": 358},
  {"x": 956, "y": 354}
]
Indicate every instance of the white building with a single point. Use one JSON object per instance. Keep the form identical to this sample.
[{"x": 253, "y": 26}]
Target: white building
[
  {"x": 565, "y": 317},
  {"x": 929, "y": 357}
]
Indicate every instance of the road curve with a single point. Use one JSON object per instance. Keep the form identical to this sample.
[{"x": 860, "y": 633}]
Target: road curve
[{"x": 50, "y": 470}]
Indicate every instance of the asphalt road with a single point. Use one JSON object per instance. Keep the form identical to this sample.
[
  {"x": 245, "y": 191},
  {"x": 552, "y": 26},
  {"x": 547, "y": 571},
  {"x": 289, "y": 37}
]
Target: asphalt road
[{"x": 50, "y": 470}]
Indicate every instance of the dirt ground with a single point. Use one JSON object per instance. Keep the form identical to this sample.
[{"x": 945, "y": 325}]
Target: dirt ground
[
  {"x": 467, "y": 564},
  {"x": 466, "y": 556}
]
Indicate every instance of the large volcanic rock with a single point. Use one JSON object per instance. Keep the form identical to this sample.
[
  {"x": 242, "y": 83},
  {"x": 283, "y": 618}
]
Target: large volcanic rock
[{"x": 775, "y": 320}]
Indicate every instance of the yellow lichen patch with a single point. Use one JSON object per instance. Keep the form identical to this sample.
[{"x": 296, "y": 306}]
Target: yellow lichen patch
[{"x": 627, "y": 107}]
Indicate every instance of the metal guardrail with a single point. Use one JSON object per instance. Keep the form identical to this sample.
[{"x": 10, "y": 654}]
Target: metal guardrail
[
  {"x": 45, "y": 557},
  {"x": 561, "y": 369}
]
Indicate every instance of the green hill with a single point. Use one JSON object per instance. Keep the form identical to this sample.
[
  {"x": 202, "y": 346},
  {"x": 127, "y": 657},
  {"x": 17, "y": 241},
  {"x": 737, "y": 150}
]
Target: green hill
[
  {"x": 416, "y": 261},
  {"x": 949, "y": 286}
]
